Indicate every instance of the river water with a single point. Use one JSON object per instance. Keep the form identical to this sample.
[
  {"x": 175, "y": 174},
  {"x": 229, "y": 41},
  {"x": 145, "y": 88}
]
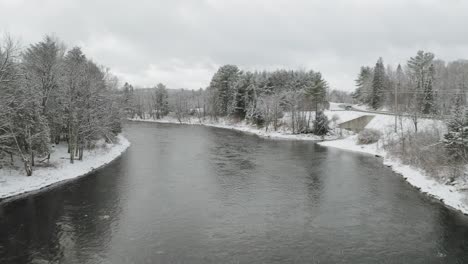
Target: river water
[{"x": 192, "y": 194}]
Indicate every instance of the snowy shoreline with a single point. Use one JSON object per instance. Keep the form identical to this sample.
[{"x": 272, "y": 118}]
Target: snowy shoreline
[
  {"x": 450, "y": 195},
  {"x": 242, "y": 127},
  {"x": 14, "y": 184}
]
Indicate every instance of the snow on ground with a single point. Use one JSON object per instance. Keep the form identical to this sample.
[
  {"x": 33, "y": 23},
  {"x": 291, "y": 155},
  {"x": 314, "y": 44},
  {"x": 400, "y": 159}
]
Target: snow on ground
[
  {"x": 14, "y": 182},
  {"x": 349, "y": 143},
  {"x": 337, "y": 106},
  {"x": 362, "y": 107},
  {"x": 451, "y": 195}
]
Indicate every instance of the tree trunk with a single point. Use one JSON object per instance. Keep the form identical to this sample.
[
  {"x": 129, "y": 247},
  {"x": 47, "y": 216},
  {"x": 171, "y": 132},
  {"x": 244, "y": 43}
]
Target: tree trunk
[
  {"x": 77, "y": 150},
  {"x": 32, "y": 159},
  {"x": 81, "y": 152},
  {"x": 27, "y": 168},
  {"x": 292, "y": 119},
  {"x": 72, "y": 152}
]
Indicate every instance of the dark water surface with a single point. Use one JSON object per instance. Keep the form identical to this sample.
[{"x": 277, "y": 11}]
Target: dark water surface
[{"x": 191, "y": 194}]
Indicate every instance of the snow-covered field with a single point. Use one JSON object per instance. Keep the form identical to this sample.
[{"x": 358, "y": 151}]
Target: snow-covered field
[
  {"x": 452, "y": 195},
  {"x": 14, "y": 182}
]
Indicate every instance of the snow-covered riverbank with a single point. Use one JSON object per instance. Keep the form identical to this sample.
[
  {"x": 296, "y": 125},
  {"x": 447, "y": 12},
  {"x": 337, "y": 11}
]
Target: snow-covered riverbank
[
  {"x": 14, "y": 182},
  {"x": 281, "y": 133},
  {"x": 454, "y": 196}
]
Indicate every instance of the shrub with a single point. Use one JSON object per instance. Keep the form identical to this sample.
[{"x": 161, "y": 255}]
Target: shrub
[
  {"x": 369, "y": 136},
  {"x": 426, "y": 151}
]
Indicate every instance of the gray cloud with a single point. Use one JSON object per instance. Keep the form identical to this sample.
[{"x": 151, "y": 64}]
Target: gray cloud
[{"x": 181, "y": 43}]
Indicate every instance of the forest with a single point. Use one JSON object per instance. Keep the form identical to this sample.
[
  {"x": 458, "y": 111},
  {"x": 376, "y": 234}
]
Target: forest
[
  {"x": 51, "y": 94},
  {"x": 261, "y": 98}
]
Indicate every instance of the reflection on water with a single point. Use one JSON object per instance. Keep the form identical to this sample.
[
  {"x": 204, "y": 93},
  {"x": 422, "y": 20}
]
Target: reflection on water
[
  {"x": 190, "y": 194},
  {"x": 49, "y": 227}
]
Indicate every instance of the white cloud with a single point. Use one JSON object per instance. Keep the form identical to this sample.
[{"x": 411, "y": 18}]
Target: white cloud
[{"x": 181, "y": 42}]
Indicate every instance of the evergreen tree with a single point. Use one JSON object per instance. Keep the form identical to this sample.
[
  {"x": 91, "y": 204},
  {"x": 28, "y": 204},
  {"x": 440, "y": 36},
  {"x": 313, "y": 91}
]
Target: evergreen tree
[
  {"x": 223, "y": 85},
  {"x": 241, "y": 98},
  {"x": 321, "y": 122},
  {"x": 420, "y": 74},
  {"x": 428, "y": 105},
  {"x": 378, "y": 84},
  {"x": 161, "y": 101},
  {"x": 456, "y": 139},
  {"x": 364, "y": 86},
  {"x": 128, "y": 100},
  {"x": 316, "y": 90}
]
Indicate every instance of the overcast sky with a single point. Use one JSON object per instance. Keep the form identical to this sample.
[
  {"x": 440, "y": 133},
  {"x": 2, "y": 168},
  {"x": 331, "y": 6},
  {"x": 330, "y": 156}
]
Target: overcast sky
[{"x": 181, "y": 43}]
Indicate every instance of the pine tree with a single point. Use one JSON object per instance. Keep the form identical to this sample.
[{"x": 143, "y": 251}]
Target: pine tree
[
  {"x": 321, "y": 124},
  {"x": 364, "y": 85},
  {"x": 316, "y": 90},
  {"x": 241, "y": 98},
  {"x": 222, "y": 84},
  {"x": 128, "y": 100},
  {"x": 456, "y": 139},
  {"x": 399, "y": 80},
  {"x": 378, "y": 84},
  {"x": 420, "y": 75},
  {"x": 161, "y": 101},
  {"x": 428, "y": 106}
]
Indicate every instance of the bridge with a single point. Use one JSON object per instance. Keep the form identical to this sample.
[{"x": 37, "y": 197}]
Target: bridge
[{"x": 358, "y": 124}]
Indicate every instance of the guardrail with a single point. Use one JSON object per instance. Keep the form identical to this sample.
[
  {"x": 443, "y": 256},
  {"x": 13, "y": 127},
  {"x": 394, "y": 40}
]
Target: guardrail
[{"x": 438, "y": 117}]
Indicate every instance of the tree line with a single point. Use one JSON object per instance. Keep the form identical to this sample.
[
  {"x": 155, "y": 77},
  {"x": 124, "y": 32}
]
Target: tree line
[
  {"x": 50, "y": 94},
  {"x": 261, "y": 98},
  {"x": 423, "y": 84},
  {"x": 422, "y": 87}
]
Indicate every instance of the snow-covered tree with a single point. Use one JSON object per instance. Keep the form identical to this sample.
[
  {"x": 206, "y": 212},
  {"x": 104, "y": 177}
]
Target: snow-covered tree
[
  {"x": 181, "y": 108},
  {"x": 129, "y": 100},
  {"x": 73, "y": 79},
  {"x": 428, "y": 102},
  {"x": 316, "y": 91},
  {"x": 363, "y": 92},
  {"x": 420, "y": 73},
  {"x": 46, "y": 97},
  {"x": 160, "y": 101},
  {"x": 378, "y": 84},
  {"x": 321, "y": 124},
  {"x": 241, "y": 95},
  {"x": 456, "y": 139},
  {"x": 223, "y": 84},
  {"x": 24, "y": 130}
]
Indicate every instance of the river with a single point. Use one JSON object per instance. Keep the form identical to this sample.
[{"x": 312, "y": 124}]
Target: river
[{"x": 193, "y": 194}]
